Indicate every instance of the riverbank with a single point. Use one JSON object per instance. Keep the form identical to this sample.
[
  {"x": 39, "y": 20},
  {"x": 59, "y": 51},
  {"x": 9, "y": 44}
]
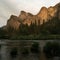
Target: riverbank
[{"x": 36, "y": 37}]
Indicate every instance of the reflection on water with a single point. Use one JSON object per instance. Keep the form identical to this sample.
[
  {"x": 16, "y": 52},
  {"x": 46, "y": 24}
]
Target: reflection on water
[{"x": 23, "y": 49}]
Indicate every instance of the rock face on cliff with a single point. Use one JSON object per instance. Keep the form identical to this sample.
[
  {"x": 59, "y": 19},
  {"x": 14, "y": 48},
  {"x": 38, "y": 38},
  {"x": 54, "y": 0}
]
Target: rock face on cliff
[
  {"x": 25, "y": 17},
  {"x": 47, "y": 13},
  {"x": 57, "y": 6},
  {"x": 52, "y": 11},
  {"x": 13, "y": 23},
  {"x": 44, "y": 14}
]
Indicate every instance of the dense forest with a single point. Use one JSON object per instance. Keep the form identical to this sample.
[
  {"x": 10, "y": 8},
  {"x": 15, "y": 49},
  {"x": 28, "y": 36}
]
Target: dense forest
[{"x": 47, "y": 30}]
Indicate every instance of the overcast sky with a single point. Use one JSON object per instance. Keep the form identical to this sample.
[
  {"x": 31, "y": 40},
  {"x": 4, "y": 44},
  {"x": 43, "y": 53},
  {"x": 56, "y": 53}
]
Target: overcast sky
[{"x": 9, "y": 7}]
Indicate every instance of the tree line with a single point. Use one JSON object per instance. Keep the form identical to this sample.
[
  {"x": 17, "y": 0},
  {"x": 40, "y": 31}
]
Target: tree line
[{"x": 51, "y": 27}]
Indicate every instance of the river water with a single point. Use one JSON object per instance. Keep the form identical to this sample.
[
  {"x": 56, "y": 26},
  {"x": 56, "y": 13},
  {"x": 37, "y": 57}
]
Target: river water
[{"x": 7, "y": 45}]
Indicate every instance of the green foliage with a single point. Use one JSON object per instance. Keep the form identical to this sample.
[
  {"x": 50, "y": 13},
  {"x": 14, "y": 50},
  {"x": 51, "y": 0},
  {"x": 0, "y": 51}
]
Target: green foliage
[
  {"x": 47, "y": 30},
  {"x": 24, "y": 29},
  {"x": 13, "y": 52},
  {"x": 51, "y": 27},
  {"x": 35, "y": 47},
  {"x": 52, "y": 49},
  {"x": 25, "y": 52},
  {"x": 3, "y": 34}
]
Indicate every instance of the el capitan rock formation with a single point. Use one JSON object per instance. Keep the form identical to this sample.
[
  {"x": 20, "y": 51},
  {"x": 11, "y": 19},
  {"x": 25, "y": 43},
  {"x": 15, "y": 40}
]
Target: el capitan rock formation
[{"x": 44, "y": 14}]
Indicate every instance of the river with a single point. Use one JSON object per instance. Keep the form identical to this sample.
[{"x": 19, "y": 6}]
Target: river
[{"x": 8, "y": 45}]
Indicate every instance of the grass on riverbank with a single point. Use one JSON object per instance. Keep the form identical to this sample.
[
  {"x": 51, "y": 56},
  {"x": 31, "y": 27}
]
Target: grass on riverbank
[{"x": 36, "y": 37}]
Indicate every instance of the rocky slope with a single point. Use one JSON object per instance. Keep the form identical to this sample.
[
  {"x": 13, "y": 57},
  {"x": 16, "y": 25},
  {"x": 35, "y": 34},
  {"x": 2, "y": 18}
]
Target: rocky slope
[
  {"x": 44, "y": 14},
  {"x": 13, "y": 23}
]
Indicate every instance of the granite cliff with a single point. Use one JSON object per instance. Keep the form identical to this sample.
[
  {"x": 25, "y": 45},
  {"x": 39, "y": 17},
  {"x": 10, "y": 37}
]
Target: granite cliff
[{"x": 44, "y": 14}]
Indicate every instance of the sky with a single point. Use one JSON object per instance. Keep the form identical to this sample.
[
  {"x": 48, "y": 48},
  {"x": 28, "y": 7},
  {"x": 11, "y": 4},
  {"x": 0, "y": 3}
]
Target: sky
[{"x": 14, "y": 7}]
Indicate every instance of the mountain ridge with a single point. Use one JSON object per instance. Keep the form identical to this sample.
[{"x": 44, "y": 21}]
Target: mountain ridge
[{"x": 44, "y": 14}]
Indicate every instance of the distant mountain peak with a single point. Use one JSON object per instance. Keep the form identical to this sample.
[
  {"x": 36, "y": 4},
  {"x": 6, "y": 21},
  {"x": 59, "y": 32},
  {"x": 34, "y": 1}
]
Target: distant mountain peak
[
  {"x": 13, "y": 17},
  {"x": 57, "y": 5},
  {"x": 43, "y": 8}
]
